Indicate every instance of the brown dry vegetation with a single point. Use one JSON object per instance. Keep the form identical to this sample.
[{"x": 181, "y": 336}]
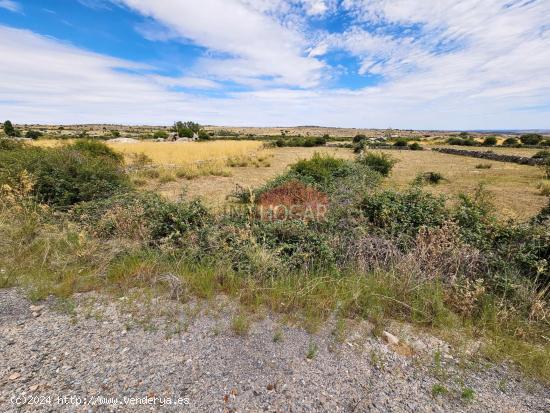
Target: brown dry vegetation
[{"x": 514, "y": 188}]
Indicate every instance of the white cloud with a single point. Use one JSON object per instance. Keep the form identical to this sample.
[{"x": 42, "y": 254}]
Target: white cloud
[
  {"x": 187, "y": 82},
  {"x": 495, "y": 76},
  {"x": 264, "y": 47},
  {"x": 316, "y": 7},
  {"x": 10, "y": 5}
]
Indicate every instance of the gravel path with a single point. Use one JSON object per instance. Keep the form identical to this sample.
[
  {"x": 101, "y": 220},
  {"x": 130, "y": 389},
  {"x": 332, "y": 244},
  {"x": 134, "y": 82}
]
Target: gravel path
[{"x": 67, "y": 360}]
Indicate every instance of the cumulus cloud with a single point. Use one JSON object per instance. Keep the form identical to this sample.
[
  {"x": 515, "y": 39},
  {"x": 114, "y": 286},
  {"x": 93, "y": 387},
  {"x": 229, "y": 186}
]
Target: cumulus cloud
[
  {"x": 243, "y": 35},
  {"x": 10, "y": 5},
  {"x": 442, "y": 63}
]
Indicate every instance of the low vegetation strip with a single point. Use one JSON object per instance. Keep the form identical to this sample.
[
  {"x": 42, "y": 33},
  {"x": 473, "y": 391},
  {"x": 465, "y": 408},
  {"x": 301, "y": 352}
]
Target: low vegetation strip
[{"x": 492, "y": 156}]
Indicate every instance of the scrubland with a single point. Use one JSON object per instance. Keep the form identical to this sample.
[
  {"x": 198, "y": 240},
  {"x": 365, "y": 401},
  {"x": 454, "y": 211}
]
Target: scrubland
[{"x": 356, "y": 243}]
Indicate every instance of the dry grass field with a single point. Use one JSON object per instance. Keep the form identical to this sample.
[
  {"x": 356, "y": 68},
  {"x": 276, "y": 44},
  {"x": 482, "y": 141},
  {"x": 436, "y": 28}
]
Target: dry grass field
[
  {"x": 513, "y": 188},
  {"x": 218, "y": 167},
  {"x": 184, "y": 153}
]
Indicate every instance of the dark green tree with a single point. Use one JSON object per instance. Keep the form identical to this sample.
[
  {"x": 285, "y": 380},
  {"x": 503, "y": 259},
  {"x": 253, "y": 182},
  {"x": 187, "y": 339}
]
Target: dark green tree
[
  {"x": 33, "y": 134},
  {"x": 9, "y": 129},
  {"x": 530, "y": 138}
]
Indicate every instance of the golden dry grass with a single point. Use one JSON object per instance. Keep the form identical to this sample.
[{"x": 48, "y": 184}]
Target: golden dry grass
[
  {"x": 51, "y": 143},
  {"x": 185, "y": 153},
  {"x": 514, "y": 188}
]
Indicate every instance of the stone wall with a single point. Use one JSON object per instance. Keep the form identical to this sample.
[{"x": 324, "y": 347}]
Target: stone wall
[{"x": 491, "y": 156}]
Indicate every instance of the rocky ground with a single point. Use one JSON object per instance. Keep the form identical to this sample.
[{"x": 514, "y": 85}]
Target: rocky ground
[{"x": 98, "y": 355}]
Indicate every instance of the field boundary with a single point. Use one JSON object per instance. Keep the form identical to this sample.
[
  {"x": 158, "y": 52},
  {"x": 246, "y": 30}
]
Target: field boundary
[{"x": 522, "y": 160}]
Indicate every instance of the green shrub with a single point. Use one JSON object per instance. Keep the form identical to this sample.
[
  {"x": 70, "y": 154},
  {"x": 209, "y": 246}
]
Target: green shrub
[
  {"x": 404, "y": 212},
  {"x": 9, "y": 130},
  {"x": 160, "y": 134},
  {"x": 401, "y": 142},
  {"x": 359, "y": 147},
  {"x": 10, "y": 145},
  {"x": 358, "y": 138},
  {"x": 299, "y": 244},
  {"x": 530, "y": 138},
  {"x": 484, "y": 166},
  {"x": 490, "y": 141},
  {"x": 429, "y": 177},
  {"x": 96, "y": 149},
  {"x": 63, "y": 176},
  {"x": 510, "y": 142},
  {"x": 415, "y": 146},
  {"x": 321, "y": 140},
  {"x": 203, "y": 135},
  {"x": 321, "y": 169},
  {"x": 542, "y": 155},
  {"x": 379, "y": 162},
  {"x": 145, "y": 216},
  {"x": 462, "y": 142},
  {"x": 473, "y": 214},
  {"x": 454, "y": 141},
  {"x": 33, "y": 134},
  {"x": 298, "y": 141}
]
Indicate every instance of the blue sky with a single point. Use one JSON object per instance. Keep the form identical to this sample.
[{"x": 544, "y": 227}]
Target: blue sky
[{"x": 424, "y": 64}]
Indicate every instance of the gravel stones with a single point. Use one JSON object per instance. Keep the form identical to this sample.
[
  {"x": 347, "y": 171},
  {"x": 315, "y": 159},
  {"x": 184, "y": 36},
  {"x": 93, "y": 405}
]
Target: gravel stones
[{"x": 101, "y": 352}]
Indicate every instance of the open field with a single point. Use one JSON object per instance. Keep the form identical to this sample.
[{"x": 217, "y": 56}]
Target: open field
[
  {"x": 512, "y": 187},
  {"x": 184, "y": 153}
]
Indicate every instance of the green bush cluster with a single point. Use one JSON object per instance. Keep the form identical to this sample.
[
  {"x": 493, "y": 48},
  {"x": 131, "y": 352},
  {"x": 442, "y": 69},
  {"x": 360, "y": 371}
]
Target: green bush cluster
[
  {"x": 510, "y": 142},
  {"x": 490, "y": 141},
  {"x": 64, "y": 176},
  {"x": 307, "y": 142},
  {"x": 530, "y": 138},
  {"x": 379, "y": 162},
  {"x": 403, "y": 213},
  {"x": 462, "y": 141}
]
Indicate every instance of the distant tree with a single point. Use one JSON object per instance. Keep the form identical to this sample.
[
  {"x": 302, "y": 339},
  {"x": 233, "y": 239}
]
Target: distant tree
[
  {"x": 401, "y": 142},
  {"x": 415, "y": 146},
  {"x": 33, "y": 134},
  {"x": 358, "y": 138},
  {"x": 490, "y": 141},
  {"x": 186, "y": 129},
  {"x": 463, "y": 135},
  {"x": 510, "y": 142},
  {"x": 115, "y": 133},
  {"x": 203, "y": 135},
  {"x": 9, "y": 129},
  {"x": 160, "y": 134},
  {"x": 530, "y": 138}
]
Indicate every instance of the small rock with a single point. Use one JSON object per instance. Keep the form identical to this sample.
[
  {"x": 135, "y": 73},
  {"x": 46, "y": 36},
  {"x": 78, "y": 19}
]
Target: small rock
[
  {"x": 390, "y": 338},
  {"x": 34, "y": 387},
  {"x": 14, "y": 376},
  {"x": 36, "y": 308},
  {"x": 36, "y": 314}
]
